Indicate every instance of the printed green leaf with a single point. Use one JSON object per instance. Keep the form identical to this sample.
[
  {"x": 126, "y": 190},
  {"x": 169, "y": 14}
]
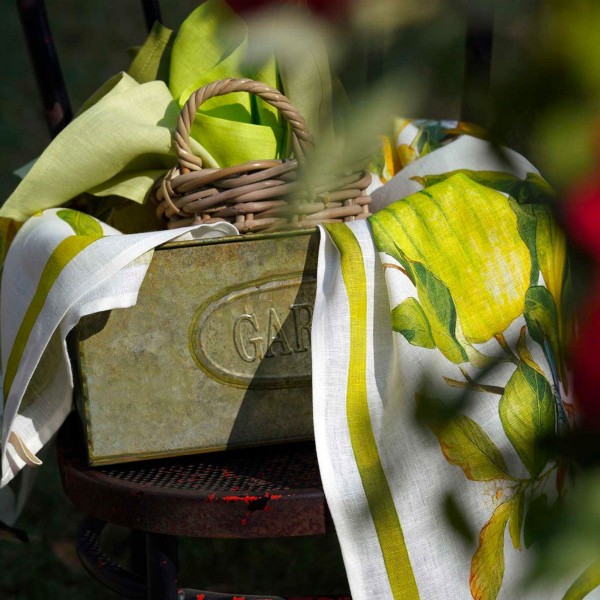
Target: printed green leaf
[
  {"x": 523, "y": 352},
  {"x": 527, "y": 413},
  {"x": 551, "y": 246},
  {"x": 540, "y": 314},
  {"x": 515, "y": 523},
  {"x": 81, "y": 223},
  {"x": 527, "y": 193},
  {"x": 409, "y": 319},
  {"x": 588, "y": 581},
  {"x": 527, "y": 226},
  {"x": 465, "y": 444},
  {"x": 487, "y": 564},
  {"x": 486, "y": 276},
  {"x": 434, "y": 297},
  {"x": 439, "y": 308},
  {"x": 386, "y": 243},
  {"x": 552, "y": 259},
  {"x": 531, "y": 190},
  {"x": 542, "y": 320}
]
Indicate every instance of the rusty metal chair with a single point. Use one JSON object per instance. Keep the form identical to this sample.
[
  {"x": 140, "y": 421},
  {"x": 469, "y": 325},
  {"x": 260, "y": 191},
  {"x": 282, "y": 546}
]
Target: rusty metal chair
[
  {"x": 252, "y": 493},
  {"x": 261, "y": 492}
]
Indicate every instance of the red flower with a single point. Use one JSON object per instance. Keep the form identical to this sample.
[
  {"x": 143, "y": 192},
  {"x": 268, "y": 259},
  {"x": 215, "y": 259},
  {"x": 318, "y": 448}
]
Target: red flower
[
  {"x": 582, "y": 212},
  {"x": 585, "y": 357},
  {"x": 328, "y": 9},
  {"x": 582, "y": 219}
]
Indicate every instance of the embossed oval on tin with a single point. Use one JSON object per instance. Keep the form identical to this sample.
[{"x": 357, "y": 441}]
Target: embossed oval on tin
[{"x": 257, "y": 336}]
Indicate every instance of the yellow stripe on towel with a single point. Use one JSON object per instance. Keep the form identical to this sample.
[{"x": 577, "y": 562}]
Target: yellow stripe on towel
[
  {"x": 375, "y": 484},
  {"x": 62, "y": 255}
]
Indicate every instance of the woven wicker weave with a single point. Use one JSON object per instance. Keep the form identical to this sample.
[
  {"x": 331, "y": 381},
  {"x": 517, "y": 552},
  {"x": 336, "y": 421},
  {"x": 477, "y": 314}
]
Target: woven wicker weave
[{"x": 257, "y": 195}]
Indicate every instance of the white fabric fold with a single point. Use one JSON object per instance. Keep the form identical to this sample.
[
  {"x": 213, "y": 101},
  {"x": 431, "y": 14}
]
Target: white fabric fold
[
  {"x": 387, "y": 478},
  {"x": 53, "y": 276}
]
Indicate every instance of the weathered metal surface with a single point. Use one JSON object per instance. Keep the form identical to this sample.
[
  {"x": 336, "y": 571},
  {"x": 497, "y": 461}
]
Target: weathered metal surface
[
  {"x": 250, "y": 493},
  {"x": 215, "y": 354}
]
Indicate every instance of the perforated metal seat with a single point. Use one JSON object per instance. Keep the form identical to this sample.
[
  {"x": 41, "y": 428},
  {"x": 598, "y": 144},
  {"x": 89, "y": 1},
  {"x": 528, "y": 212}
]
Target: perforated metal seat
[{"x": 251, "y": 493}]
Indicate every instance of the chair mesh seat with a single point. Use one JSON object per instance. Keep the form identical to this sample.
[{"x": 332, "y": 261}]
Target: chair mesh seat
[
  {"x": 257, "y": 470},
  {"x": 270, "y": 491}
]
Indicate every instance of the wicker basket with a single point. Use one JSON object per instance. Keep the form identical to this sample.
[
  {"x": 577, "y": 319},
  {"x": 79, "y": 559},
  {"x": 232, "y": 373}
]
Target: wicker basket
[{"x": 258, "y": 195}]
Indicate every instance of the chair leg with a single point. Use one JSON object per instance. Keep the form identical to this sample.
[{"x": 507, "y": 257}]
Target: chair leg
[
  {"x": 161, "y": 566},
  {"x": 137, "y": 552},
  {"x": 102, "y": 567}
]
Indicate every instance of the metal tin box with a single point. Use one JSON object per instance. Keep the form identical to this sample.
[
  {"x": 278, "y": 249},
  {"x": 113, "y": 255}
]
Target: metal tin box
[{"x": 215, "y": 354}]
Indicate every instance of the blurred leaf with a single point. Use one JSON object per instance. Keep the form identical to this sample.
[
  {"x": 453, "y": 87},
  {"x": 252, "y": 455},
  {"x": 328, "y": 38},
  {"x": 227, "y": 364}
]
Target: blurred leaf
[
  {"x": 537, "y": 519},
  {"x": 386, "y": 15},
  {"x": 517, "y": 512},
  {"x": 66, "y": 553},
  {"x": 527, "y": 413},
  {"x": 409, "y": 319},
  {"x": 465, "y": 444},
  {"x": 430, "y": 412},
  {"x": 487, "y": 565},
  {"x": 565, "y": 141},
  {"x": 366, "y": 118},
  {"x": 457, "y": 518},
  {"x": 573, "y": 28},
  {"x": 589, "y": 580},
  {"x": 570, "y": 531},
  {"x": 580, "y": 446},
  {"x": 12, "y": 533}
]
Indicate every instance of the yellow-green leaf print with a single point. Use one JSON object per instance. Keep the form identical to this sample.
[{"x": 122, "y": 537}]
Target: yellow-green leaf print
[
  {"x": 487, "y": 564},
  {"x": 467, "y": 236},
  {"x": 81, "y": 223},
  {"x": 527, "y": 413},
  {"x": 552, "y": 259},
  {"x": 551, "y": 252},
  {"x": 516, "y": 516},
  {"x": 532, "y": 189},
  {"x": 434, "y": 296},
  {"x": 439, "y": 309},
  {"x": 523, "y": 352},
  {"x": 465, "y": 444},
  {"x": 409, "y": 319},
  {"x": 543, "y": 323},
  {"x": 527, "y": 225}
]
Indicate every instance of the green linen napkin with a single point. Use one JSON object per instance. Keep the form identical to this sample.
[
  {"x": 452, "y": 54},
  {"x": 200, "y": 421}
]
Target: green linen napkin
[{"x": 121, "y": 140}]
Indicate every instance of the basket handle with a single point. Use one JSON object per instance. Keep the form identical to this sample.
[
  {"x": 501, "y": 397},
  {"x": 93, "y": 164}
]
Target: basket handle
[{"x": 301, "y": 138}]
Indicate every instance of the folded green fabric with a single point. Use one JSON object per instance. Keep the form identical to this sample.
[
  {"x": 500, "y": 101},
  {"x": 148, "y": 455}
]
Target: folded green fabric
[
  {"x": 121, "y": 140},
  {"x": 154, "y": 57},
  {"x": 127, "y": 131}
]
